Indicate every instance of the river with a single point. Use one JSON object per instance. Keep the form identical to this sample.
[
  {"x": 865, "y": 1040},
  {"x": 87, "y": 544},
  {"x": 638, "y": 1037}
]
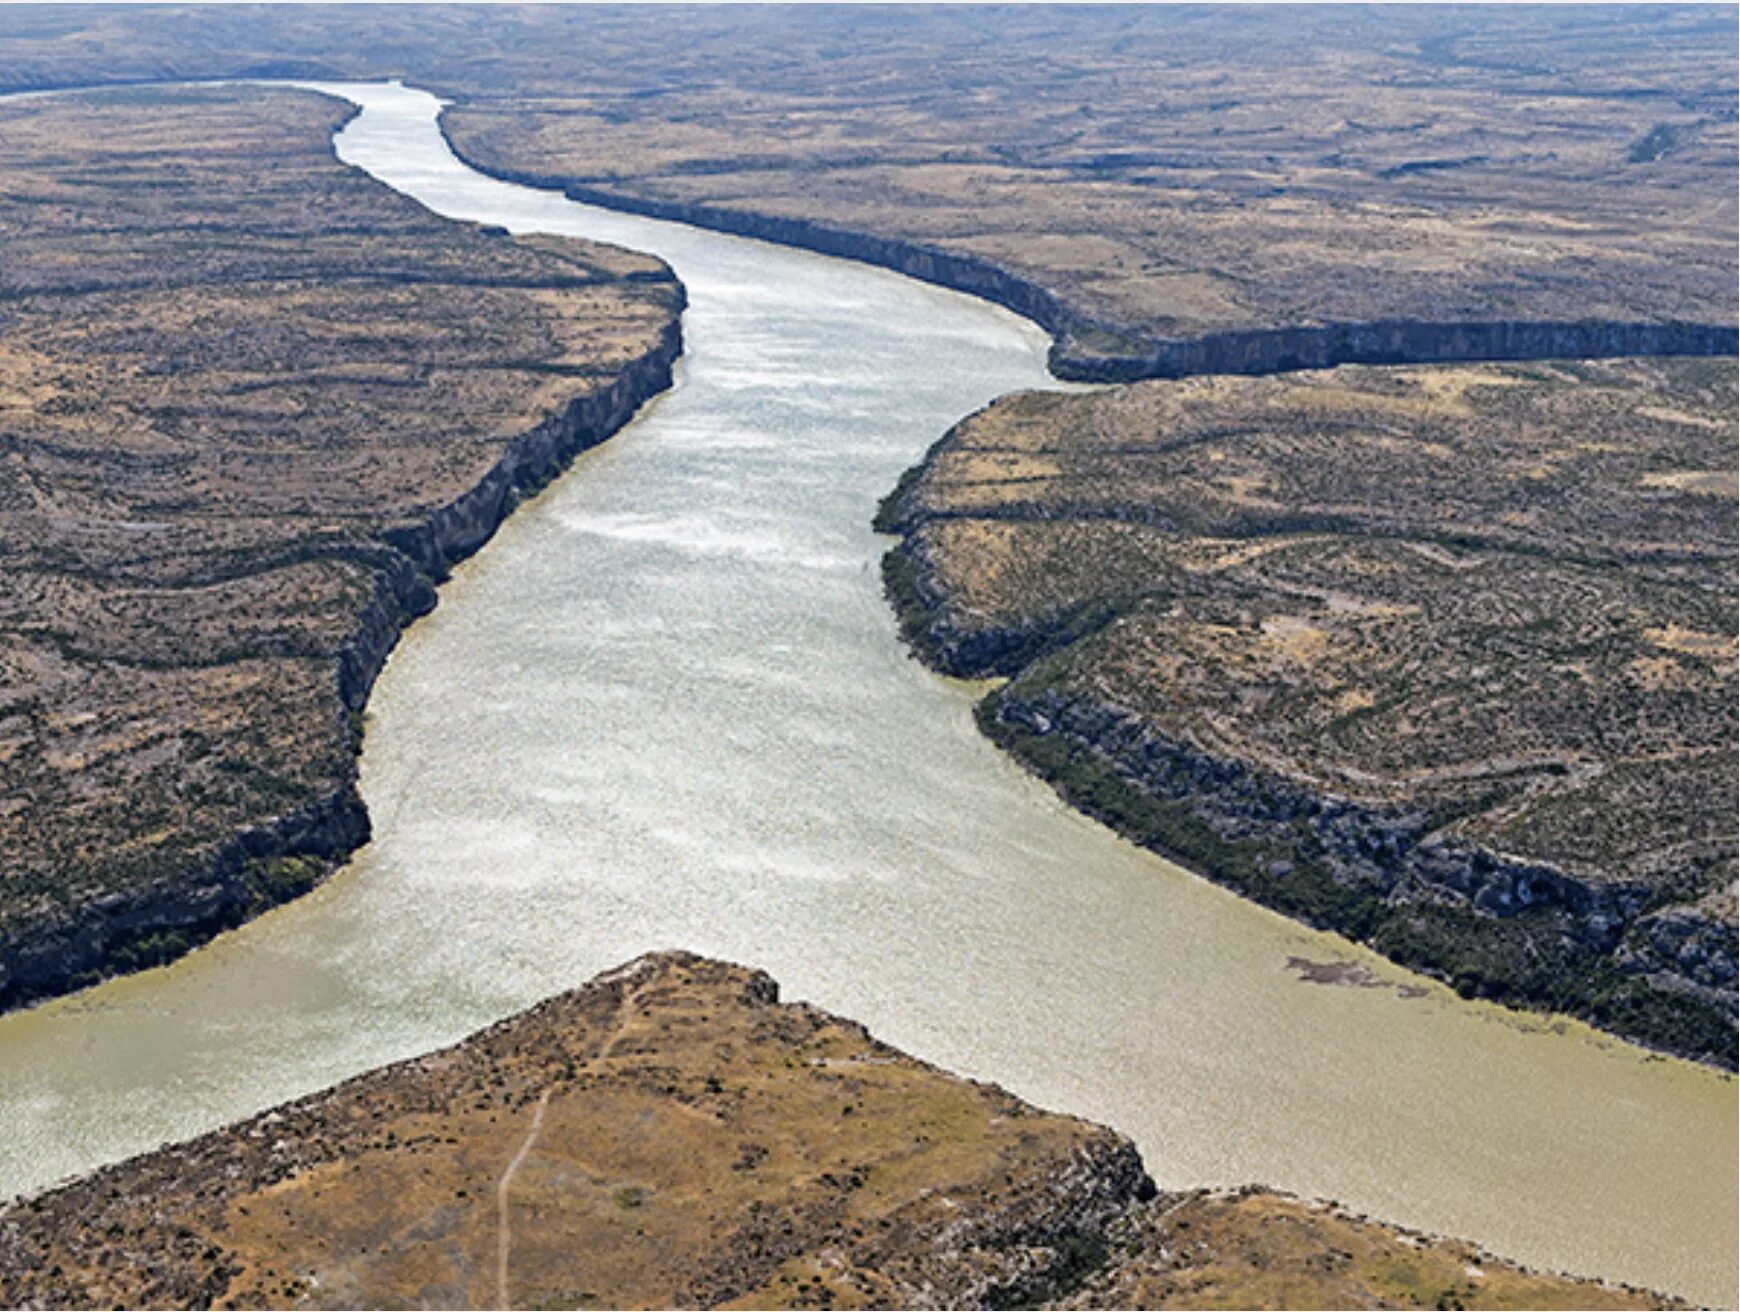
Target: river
[{"x": 666, "y": 707}]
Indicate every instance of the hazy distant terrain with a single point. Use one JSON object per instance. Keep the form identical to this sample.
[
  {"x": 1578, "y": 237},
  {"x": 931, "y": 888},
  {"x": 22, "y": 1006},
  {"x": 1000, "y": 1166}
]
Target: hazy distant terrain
[
  {"x": 1165, "y": 173},
  {"x": 1172, "y": 175}
]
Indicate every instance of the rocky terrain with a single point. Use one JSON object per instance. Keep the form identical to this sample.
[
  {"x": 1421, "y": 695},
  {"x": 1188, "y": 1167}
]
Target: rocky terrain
[
  {"x": 1439, "y": 657},
  {"x": 1169, "y": 190},
  {"x": 672, "y": 1135},
  {"x": 252, "y": 405}
]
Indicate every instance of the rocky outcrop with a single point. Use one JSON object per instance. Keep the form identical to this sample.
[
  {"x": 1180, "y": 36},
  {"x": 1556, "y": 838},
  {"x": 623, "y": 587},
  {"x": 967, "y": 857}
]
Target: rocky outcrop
[
  {"x": 1679, "y": 951},
  {"x": 1085, "y": 349},
  {"x": 1517, "y": 931},
  {"x": 75, "y": 945}
]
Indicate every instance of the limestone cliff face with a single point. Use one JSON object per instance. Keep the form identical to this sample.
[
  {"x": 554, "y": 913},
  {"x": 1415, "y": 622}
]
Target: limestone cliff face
[
  {"x": 1402, "y": 341},
  {"x": 264, "y": 865},
  {"x": 1392, "y": 856},
  {"x": 1087, "y": 350}
]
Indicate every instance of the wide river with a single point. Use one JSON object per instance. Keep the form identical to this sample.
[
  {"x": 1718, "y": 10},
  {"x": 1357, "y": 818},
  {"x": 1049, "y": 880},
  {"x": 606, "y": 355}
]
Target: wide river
[{"x": 666, "y": 707}]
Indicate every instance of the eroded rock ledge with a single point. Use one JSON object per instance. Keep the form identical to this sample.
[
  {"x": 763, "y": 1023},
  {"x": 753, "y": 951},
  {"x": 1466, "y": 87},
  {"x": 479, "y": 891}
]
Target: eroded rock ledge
[
  {"x": 1084, "y": 349},
  {"x": 264, "y": 865},
  {"x": 671, "y": 1135}
]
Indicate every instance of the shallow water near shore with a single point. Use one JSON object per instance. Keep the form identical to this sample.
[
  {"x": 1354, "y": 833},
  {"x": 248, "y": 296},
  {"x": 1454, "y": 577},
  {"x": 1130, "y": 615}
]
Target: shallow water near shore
[{"x": 666, "y": 707}]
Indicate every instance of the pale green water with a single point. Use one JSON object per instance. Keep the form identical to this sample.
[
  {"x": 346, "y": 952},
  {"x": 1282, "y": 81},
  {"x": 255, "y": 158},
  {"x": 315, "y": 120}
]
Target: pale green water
[{"x": 666, "y": 707}]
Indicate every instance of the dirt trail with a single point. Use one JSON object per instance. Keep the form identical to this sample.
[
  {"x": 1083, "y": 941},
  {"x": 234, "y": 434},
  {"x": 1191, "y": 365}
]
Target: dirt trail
[
  {"x": 504, "y": 1235},
  {"x": 503, "y": 1226}
]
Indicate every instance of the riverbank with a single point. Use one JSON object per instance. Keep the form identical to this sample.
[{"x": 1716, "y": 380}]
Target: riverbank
[
  {"x": 633, "y": 666},
  {"x": 199, "y": 601},
  {"x": 1464, "y": 697},
  {"x": 672, "y": 1135},
  {"x": 1090, "y": 350},
  {"x": 263, "y": 866}
]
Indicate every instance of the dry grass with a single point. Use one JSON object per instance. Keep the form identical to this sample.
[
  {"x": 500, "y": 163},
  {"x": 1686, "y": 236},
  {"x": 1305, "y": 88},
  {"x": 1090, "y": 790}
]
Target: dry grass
[
  {"x": 1257, "y": 1250},
  {"x": 669, "y": 1135},
  {"x": 1395, "y": 584}
]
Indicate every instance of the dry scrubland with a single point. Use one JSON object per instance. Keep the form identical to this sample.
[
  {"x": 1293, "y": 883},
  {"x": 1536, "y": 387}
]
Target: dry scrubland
[
  {"x": 251, "y": 404},
  {"x": 1178, "y": 176},
  {"x": 1147, "y": 175},
  {"x": 671, "y": 1135},
  {"x": 1225, "y": 189},
  {"x": 1442, "y": 657}
]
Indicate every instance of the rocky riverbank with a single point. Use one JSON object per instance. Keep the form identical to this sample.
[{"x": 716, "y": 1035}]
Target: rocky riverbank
[
  {"x": 264, "y": 865},
  {"x": 239, "y": 470},
  {"x": 1438, "y": 659},
  {"x": 672, "y": 1135},
  {"x": 1084, "y": 349}
]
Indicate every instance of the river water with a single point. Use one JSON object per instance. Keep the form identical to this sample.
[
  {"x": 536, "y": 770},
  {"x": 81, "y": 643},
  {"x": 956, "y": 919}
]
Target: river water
[{"x": 666, "y": 707}]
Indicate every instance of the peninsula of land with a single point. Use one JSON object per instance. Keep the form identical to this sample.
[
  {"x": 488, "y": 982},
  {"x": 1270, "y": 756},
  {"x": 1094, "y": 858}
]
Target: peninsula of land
[
  {"x": 671, "y": 1135},
  {"x": 1439, "y": 657}
]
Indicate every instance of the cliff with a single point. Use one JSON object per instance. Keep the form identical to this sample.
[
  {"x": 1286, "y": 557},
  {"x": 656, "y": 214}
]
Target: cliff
[
  {"x": 1085, "y": 349},
  {"x": 1437, "y": 658},
  {"x": 266, "y": 864},
  {"x": 236, "y": 469}
]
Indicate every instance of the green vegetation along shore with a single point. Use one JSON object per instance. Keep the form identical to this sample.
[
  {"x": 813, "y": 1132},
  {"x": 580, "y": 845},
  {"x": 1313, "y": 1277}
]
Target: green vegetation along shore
[
  {"x": 1442, "y": 658},
  {"x": 252, "y": 405},
  {"x": 671, "y": 1135}
]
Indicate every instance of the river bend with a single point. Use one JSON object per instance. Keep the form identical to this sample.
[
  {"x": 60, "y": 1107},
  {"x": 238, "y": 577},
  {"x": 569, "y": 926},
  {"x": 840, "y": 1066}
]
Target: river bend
[{"x": 666, "y": 707}]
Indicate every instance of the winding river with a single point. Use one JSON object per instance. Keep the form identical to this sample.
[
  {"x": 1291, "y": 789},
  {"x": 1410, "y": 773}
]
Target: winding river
[{"x": 667, "y": 707}]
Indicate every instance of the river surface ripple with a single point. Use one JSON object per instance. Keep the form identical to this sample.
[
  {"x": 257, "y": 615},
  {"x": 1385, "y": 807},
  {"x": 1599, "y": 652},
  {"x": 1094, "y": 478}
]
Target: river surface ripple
[{"x": 667, "y": 707}]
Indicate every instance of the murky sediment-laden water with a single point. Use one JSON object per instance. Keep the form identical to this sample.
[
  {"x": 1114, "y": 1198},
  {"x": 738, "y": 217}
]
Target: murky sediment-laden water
[{"x": 666, "y": 707}]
